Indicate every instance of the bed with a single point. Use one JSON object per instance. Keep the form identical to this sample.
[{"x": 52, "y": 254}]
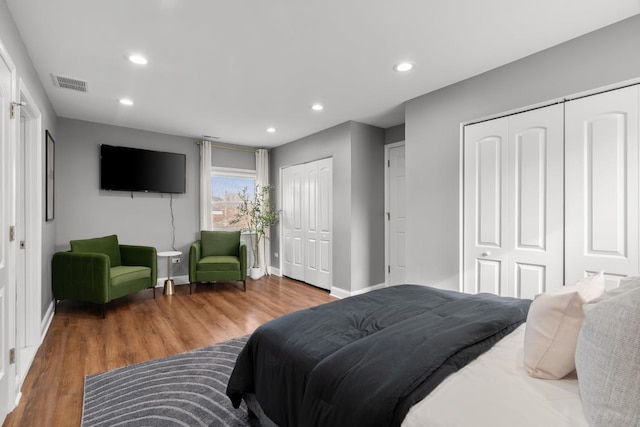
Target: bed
[{"x": 401, "y": 356}]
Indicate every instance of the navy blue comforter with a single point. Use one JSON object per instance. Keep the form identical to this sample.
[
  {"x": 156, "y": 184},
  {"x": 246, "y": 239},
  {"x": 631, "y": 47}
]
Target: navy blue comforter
[{"x": 365, "y": 360}]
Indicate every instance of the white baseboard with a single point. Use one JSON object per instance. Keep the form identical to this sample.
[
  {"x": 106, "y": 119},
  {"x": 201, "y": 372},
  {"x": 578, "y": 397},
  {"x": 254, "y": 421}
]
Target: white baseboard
[
  {"x": 275, "y": 271},
  {"x": 46, "y": 321},
  {"x": 341, "y": 293},
  {"x": 177, "y": 280}
]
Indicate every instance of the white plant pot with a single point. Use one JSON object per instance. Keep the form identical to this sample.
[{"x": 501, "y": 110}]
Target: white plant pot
[{"x": 255, "y": 273}]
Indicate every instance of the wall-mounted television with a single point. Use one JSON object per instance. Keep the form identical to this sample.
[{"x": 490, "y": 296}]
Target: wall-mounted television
[{"x": 135, "y": 169}]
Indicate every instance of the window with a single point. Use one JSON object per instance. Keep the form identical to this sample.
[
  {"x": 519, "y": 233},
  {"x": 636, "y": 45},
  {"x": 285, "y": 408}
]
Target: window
[{"x": 226, "y": 184}]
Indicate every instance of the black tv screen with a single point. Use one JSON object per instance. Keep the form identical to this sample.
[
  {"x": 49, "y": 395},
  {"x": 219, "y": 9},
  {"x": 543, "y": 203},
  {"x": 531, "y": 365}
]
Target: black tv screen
[{"x": 134, "y": 169}]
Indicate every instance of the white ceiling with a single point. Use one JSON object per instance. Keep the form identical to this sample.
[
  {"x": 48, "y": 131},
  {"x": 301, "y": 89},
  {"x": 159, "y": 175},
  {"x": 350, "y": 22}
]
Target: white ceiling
[{"x": 232, "y": 68}]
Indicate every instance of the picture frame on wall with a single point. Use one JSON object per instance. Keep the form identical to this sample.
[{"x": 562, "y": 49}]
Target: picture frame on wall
[{"x": 50, "y": 174}]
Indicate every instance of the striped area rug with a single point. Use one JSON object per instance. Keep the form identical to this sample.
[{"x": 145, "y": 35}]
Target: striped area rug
[{"x": 186, "y": 389}]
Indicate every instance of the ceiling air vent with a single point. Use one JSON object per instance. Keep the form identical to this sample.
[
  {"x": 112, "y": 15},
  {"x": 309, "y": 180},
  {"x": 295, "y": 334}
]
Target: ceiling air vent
[{"x": 69, "y": 83}]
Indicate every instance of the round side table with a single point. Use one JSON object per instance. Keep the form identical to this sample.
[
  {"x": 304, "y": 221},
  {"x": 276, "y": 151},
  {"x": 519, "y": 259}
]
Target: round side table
[{"x": 168, "y": 284}]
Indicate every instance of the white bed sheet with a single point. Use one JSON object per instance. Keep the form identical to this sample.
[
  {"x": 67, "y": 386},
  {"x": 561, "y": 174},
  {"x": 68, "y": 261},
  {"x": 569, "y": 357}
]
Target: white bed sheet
[{"x": 495, "y": 391}]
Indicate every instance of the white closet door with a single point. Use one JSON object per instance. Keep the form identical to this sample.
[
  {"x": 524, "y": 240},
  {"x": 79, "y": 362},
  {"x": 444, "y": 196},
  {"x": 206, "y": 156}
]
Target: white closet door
[
  {"x": 307, "y": 222},
  {"x": 602, "y": 185},
  {"x": 535, "y": 213},
  {"x": 324, "y": 216},
  {"x": 292, "y": 222},
  {"x": 397, "y": 214},
  {"x": 485, "y": 209},
  {"x": 513, "y": 204},
  {"x": 310, "y": 223}
]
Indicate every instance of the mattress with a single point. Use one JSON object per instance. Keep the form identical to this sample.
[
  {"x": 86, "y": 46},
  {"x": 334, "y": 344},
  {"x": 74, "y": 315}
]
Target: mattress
[{"x": 495, "y": 391}]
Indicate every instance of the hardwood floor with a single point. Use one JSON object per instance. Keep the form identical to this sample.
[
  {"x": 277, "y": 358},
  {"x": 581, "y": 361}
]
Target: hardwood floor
[{"x": 139, "y": 328}]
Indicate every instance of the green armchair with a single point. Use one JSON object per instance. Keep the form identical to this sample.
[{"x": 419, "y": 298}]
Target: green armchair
[
  {"x": 219, "y": 256},
  {"x": 100, "y": 270}
]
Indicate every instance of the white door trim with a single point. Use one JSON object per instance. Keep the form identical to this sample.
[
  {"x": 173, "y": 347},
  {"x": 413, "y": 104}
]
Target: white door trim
[
  {"x": 387, "y": 194},
  {"x": 8, "y": 401}
]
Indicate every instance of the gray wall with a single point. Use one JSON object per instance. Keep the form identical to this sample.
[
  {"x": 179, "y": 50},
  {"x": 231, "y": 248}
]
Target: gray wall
[
  {"x": 233, "y": 157},
  {"x": 358, "y": 176},
  {"x": 334, "y": 142},
  {"x": 11, "y": 40},
  {"x": 433, "y": 133},
  {"x": 367, "y": 206},
  {"x": 84, "y": 211},
  {"x": 394, "y": 134}
]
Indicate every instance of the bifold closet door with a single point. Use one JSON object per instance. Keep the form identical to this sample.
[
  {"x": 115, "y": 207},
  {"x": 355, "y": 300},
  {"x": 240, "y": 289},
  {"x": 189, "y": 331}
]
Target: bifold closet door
[
  {"x": 601, "y": 172},
  {"x": 513, "y": 204},
  {"x": 307, "y": 201}
]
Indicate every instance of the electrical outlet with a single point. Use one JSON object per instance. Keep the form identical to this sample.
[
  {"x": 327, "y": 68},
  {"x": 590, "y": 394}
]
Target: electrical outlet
[{"x": 175, "y": 260}]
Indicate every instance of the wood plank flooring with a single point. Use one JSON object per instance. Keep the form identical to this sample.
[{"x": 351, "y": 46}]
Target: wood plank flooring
[{"x": 139, "y": 328}]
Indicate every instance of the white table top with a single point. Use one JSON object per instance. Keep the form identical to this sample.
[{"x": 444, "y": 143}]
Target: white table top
[{"x": 170, "y": 253}]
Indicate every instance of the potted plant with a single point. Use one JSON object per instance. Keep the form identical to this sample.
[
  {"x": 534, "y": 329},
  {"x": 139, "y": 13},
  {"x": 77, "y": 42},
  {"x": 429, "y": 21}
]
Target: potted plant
[{"x": 256, "y": 215}]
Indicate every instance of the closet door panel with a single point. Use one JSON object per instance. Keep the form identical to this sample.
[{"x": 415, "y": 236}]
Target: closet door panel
[
  {"x": 488, "y": 276},
  {"x": 286, "y": 221},
  {"x": 310, "y": 224},
  {"x": 325, "y": 222},
  {"x": 530, "y": 189},
  {"x": 602, "y": 185},
  {"x": 535, "y": 212},
  {"x": 292, "y": 220},
  {"x": 530, "y": 280},
  {"x": 484, "y": 207}
]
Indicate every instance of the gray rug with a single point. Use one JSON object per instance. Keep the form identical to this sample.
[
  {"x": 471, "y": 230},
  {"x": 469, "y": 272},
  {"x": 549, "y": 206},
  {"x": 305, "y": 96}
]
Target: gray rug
[{"x": 186, "y": 389}]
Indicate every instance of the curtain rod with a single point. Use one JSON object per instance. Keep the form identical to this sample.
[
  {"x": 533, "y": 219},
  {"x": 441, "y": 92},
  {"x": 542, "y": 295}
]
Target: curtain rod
[{"x": 227, "y": 147}]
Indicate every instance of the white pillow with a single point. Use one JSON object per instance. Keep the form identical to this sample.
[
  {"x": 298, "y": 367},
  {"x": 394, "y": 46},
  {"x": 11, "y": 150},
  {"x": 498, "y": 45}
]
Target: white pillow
[
  {"x": 608, "y": 358},
  {"x": 553, "y": 324}
]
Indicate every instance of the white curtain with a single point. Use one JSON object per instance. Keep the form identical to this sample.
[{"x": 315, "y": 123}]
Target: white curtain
[
  {"x": 205, "y": 186},
  {"x": 262, "y": 179}
]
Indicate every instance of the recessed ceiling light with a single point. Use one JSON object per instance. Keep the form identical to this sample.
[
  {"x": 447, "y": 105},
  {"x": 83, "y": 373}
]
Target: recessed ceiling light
[
  {"x": 403, "y": 66},
  {"x": 317, "y": 107},
  {"x": 271, "y": 130},
  {"x": 138, "y": 59},
  {"x": 125, "y": 101}
]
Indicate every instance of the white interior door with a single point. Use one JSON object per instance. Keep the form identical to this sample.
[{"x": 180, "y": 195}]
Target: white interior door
[
  {"x": 29, "y": 216},
  {"x": 513, "y": 204},
  {"x": 6, "y": 394},
  {"x": 396, "y": 214},
  {"x": 602, "y": 185}
]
